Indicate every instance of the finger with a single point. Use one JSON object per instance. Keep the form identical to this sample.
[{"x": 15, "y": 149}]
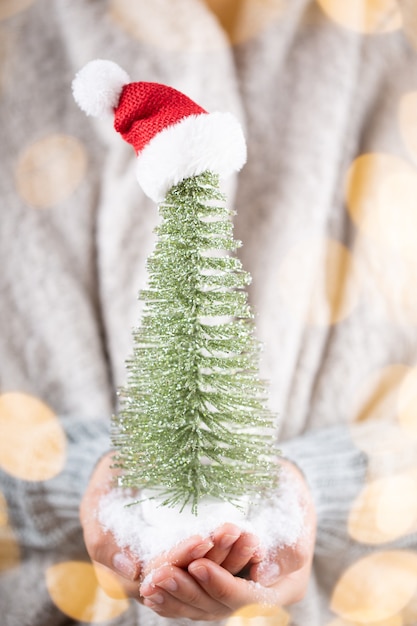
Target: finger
[
  {"x": 279, "y": 564},
  {"x": 244, "y": 551},
  {"x": 172, "y": 608},
  {"x": 181, "y": 555},
  {"x": 224, "y": 538},
  {"x": 173, "y": 592},
  {"x": 236, "y": 592},
  {"x": 166, "y": 606},
  {"x": 230, "y": 591},
  {"x": 103, "y": 549},
  {"x": 292, "y": 588}
]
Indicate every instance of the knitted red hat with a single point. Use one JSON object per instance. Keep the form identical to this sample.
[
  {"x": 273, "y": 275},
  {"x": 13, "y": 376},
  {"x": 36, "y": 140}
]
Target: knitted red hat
[
  {"x": 173, "y": 136},
  {"x": 145, "y": 109}
]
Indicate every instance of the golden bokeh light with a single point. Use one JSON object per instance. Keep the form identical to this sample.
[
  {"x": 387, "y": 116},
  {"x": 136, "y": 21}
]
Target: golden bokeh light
[
  {"x": 396, "y": 513},
  {"x": 381, "y": 194},
  {"x": 381, "y": 198},
  {"x": 75, "y": 590},
  {"x": 409, "y": 613},
  {"x": 244, "y": 20},
  {"x": 165, "y": 25},
  {"x": 109, "y": 582},
  {"x": 32, "y": 441},
  {"x": 407, "y": 118},
  {"x": 389, "y": 449},
  {"x": 364, "y": 16},
  {"x": 387, "y": 275},
  {"x": 9, "y": 8},
  {"x": 377, "y": 396},
  {"x": 407, "y": 404},
  {"x": 377, "y": 587},
  {"x": 50, "y": 169},
  {"x": 318, "y": 281},
  {"x": 395, "y": 620},
  {"x": 259, "y": 615},
  {"x": 408, "y": 8},
  {"x": 385, "y": 510},
  {"x": 397, "y": 217},
  {"x": 9, "y": 547}
]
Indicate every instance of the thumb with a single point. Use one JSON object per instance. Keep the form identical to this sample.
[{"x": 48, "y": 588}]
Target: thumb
[
  {"x": 266, "y": 573},
  {"x": 101, "y": 545}
]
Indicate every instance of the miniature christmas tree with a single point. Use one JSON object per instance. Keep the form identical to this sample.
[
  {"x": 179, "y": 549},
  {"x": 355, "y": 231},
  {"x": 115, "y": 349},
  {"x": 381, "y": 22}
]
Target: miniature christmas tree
[{"x": 193, "y": 420}]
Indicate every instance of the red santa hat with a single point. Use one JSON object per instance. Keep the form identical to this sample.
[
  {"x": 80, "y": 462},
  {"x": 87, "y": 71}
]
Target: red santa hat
[{"x": 174, "y": 138}]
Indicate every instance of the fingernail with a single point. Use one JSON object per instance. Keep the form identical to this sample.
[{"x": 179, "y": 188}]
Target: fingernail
[
  {"x": 201, "y": 550},
  {"x": 227, "y": 541},
  {"x": 157, "y": 598},
  {"x": 146, "y": 590},
  {"x": 152, "y": 605},
  {"x": 200, "y": 573},
  {"x": 248, "y": 550},
  {"x": 270, "y": 574},
  {"x": 169, "y": 584},
  {"x": 124, "y": 565},
  {"x": 259, "y": 555}
]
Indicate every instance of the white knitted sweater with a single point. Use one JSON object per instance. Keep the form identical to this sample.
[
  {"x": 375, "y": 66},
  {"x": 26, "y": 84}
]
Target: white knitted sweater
[{"x": 334, "y": 295}]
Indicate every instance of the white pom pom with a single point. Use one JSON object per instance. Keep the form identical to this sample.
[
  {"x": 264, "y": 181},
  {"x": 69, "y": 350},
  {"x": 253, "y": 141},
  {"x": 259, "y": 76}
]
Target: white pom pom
[{"x": 97, "y": 87}]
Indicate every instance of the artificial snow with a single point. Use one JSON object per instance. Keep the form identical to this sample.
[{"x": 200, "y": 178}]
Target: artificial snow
[{"x": 148, "y": 529}]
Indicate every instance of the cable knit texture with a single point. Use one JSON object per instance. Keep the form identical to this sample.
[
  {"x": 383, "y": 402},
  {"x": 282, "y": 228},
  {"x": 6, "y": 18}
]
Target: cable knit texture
[{"x": 49, "y": 509}]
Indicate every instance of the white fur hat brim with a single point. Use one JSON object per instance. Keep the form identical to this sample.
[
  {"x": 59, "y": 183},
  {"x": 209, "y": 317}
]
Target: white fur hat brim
[{"x": 212, "y": 141}]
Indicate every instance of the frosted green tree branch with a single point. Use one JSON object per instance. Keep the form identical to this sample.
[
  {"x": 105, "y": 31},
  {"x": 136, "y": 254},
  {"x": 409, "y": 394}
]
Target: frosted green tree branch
[{"x": 193, "y": 417}]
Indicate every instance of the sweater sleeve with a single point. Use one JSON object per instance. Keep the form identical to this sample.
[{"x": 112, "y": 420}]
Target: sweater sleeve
[
  {"x": 335, "y": 470},
  {"x": 44, "y": 514}
]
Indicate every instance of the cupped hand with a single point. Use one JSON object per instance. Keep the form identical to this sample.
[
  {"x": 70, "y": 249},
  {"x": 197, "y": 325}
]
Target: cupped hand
[
  {"x": 100, "y": 544},
  {"x": 203, "y": 577},
  {"x": 212, "y": 587},
  {"x": 128, "y": 568}
]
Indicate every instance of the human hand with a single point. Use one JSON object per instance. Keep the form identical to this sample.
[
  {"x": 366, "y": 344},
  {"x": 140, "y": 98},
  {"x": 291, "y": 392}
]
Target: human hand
[
  {"x": 227, "y": 545},
  {"x": 209, "y": 589},
  {"x": 286, "y": 570},
  {"x": 100, "y": 544},
  {"x": 233, "y": 551}
]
